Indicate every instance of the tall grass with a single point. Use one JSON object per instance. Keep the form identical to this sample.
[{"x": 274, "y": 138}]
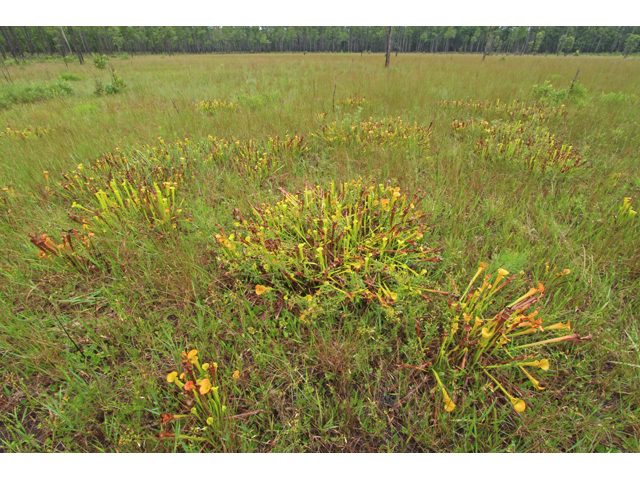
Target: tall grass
[{"x": 86, "y": 350}]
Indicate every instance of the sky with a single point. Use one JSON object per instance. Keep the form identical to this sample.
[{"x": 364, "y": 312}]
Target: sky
[{"x": 324, "y": 12}]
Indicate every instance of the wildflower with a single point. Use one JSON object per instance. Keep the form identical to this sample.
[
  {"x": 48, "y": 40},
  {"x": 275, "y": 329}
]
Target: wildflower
[
  {"x": 260, "y": 289},
  {"x": 172, "y": 377},
  {"x": 205, "y": 366},
  {"x": 210, "y": 421},
  {"x": 236, "y": 375},
  {"x": 503, "y": 272},
  {"x": 189, "y": 386}
]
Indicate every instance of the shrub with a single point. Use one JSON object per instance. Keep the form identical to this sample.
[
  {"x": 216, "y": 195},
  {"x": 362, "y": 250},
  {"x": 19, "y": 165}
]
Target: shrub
[
  {"x": 547, "y": 93},
  {"x": 617, "y": 98},
  {"x": 70, "y": 77},
  {"x": 11, "y": 94},
  {"x": 100, "y": 61},
  {"x": 116, "y": 85},
  {"x": 98, "y": 89},
  {"x": 84, "y": 108},
  {"x": 258, "y": 99}
]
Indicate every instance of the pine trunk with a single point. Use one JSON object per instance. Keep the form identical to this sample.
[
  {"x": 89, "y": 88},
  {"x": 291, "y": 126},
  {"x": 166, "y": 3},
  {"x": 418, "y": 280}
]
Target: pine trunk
[
  {"x": 26, "y": 40},
  {"x": 9, "y": 42},
  {"x": 16, "y": 43},
  {"x": 75, "y": 45}
]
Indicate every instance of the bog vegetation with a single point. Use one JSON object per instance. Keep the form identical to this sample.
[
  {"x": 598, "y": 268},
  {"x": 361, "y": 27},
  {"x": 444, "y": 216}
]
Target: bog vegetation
[{"x": 312, "y": 253}]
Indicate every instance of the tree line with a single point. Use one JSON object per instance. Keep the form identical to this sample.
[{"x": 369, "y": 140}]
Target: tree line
[{"x": 20, "y": 42}]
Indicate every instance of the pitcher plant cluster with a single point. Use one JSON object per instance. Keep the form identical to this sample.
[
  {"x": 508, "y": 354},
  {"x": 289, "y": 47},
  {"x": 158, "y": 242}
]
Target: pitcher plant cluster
[
  {"x": 515, "y": 110},
  {"x": 350, "y": 242},
  {"x": 518, "y": 135},
  {"x": 26, "y": 133},
  {"x": 128, "y": 188},
  {"x": 352, "y": 101},
  {"x": 210, "y": 106},
  {"x": 532, "y": 146},
  {"x": 203, "y": 391},
  {"x": 353, "y": 245},
  {"x": 139, "y": 189},
  {"x": 145, "y": 186},
  {"x": 255, "y": 160},
  {"x": 476, "y": 339},
  {"x": 370, "y": 135},
  {"x": 626, "y": 211},
  {"x": 76, "y": 249}
]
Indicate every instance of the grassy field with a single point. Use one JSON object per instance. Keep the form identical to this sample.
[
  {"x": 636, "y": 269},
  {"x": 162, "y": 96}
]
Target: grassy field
[{"x": 143, "y": 224}]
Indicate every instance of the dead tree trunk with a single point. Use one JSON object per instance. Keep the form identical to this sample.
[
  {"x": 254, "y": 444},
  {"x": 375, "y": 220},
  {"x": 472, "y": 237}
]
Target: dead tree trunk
[
  {"x": 65, "y": 40},
  {"x": 389, "y": 42}
]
